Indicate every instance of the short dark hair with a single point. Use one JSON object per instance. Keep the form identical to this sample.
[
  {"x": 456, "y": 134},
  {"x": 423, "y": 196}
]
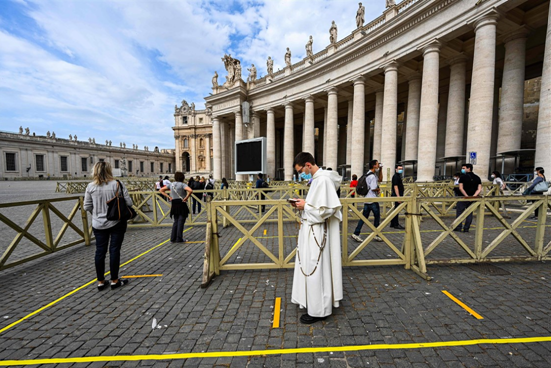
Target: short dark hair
[
  {"x": 354, "y": 177},
  {"x": 179, "y": 176},
  {"x": 538, "y": 168},
  {"x": 497, "y": 174},
  {"x": 397, "y": 166},
  {"x": 457, "y": 175},
  {"x": 372, "y": 164},
  {"x": 260, "y": 175},
  {"x": 166, "y": 177},
  {"x": 468, "y": 166},
  {"x": 302, "y": 158}
]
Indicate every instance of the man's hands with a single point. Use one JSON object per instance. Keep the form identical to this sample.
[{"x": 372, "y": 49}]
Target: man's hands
[{"x": 299, "y": 204}]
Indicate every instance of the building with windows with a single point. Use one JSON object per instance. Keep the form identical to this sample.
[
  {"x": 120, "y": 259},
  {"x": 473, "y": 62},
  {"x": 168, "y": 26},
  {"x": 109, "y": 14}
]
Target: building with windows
[
  {"x": 193, "y": 139},
  {"x": 27, "y": 155},
  {"x": 429, "y": 84}
]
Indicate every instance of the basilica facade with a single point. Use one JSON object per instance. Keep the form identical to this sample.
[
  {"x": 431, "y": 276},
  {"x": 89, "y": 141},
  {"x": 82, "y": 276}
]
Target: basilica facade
[{"x": 430, "y": 84}]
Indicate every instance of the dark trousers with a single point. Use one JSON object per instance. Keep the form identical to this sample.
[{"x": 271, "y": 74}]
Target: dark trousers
[
  {"x": 394, "y": 221},
  {"x": 178, "y": 228},
  {"x": 196, "y": 204},
  {"x": 459, "y": 209},
  {"x": 262, "y": 197},
  {"x": 368, "y": 208},
  {"x": 112, "y": 237}
]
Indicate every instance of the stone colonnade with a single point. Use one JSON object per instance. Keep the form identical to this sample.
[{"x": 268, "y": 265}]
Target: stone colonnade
[{"x": 423, "y": 111}]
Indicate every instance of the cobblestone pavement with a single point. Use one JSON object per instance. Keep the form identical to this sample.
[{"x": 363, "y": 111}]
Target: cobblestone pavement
[{"x": 382, "y": 305}]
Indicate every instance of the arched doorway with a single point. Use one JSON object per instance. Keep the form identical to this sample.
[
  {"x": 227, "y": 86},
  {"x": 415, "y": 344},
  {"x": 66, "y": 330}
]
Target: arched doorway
[{"x": 185, "y": 162}]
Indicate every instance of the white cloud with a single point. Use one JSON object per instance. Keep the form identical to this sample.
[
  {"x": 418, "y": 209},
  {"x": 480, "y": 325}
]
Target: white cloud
[{"x": 115, "y": 70}]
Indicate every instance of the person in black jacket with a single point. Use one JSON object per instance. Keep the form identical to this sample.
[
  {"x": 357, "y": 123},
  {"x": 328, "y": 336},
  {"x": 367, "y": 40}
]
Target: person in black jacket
[
  {"x": 470, "y": 185},
  {"x": 397, "y": 191}
]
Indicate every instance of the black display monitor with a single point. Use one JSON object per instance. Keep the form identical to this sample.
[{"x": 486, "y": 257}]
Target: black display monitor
[{"x": 250, "y": 156}]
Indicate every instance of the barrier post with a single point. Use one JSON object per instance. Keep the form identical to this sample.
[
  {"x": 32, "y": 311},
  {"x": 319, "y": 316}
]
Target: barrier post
[
  {"x": 215, "y": 250},
  {"x": 479, "y": 233},
  {"x": 47, "y": 225},
  {"x": 540, "y": 229},
  {"x": 84, "y": 216}
]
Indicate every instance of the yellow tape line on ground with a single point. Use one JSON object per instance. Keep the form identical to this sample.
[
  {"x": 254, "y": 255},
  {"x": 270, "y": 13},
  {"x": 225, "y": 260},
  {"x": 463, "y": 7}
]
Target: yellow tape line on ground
[
  {"x": 277, "y": 307},
  {"x": 463, "y": 305},
  {"x": 219, "y": 354},
  {"x": 77, "y": 289}
]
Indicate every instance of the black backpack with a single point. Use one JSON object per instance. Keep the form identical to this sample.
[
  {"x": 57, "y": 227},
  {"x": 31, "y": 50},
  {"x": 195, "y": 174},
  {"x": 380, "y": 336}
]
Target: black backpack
[
  {"x": 209, "y": 185},
  {"x": 362, "y": 188},
  {"x": 264, "y": 184}
]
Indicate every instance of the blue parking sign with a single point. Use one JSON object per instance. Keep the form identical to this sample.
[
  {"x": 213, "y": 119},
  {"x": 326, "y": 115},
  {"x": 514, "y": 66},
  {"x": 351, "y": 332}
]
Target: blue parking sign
[{"x": 472, "y": 158}]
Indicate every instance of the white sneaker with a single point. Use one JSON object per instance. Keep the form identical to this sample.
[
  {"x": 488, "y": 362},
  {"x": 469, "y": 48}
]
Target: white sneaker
[
  {"x": 356, "y": 238},
  {"x": 378, "y": 239}
]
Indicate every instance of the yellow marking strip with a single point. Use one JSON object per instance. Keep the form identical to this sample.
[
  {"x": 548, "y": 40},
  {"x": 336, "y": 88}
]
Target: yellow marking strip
[
  {"x": 276, "y": 312},
  {"x": 137, "y": 276},
  {"x": 77, "y": 289},
  {"x": 463, "y": 305},
  {"x": 219, "y": 354},
  {"x": 235, "y": 245},
  {"x": 265, "y": 231}
]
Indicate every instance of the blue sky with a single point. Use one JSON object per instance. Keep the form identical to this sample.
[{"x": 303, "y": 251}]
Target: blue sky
[{"x": 113, "y": 70}]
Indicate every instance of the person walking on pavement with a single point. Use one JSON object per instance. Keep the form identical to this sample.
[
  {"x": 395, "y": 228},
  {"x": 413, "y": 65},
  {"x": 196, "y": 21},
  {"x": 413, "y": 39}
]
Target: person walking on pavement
[
  {"x": 260, "y": 185},
  {"x": 470, "y": 185},
  {"x": 108, "y": 233},
  {"x": 317, "y": 280},
  {"x": 372, "y": 180},
  {"x": 397, "y": 191}
]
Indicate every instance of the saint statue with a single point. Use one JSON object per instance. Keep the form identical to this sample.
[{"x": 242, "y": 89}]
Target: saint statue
[
  {"x": 238, "y": 70},
  {"x": 270, "y": 66},
  {"x": 70, "y": 137},
  {"x": 120, "y": 144},
  {"x": 309, "y": 53},
  {"x": 89, "y": 140},
  {"x": 333, "y": 33},
  {"x": 48, "y": 134},
  {"x": 123, "y": 145},
  {"x": 94, "y": 140},
  {"x": 175, "y": 108},
  {"x": 53, "y": 134},
  {"x": 193, "y": 107},
  {"x": 360, "y": 16},
  {"x": 390, "y": 3},
  {"x": 288, "y": 58},
  {"x": 106, "y": 142},
  {"x": 215, "y": 80},
  {"x": 20, "y": 130},
  {"x": 75, "y": 137},
  {"x": 110, "y": 143},
  {"x": 252, "y": 73},
  {"x": 27, "y": 131}
]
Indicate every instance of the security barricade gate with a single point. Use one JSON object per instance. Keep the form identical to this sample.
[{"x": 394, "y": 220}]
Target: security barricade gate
[{"x": 429, "y": 237}]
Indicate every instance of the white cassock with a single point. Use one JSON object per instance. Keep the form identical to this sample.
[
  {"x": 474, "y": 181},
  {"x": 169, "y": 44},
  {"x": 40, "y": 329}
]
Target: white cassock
[{"x": 321, "y": 291}]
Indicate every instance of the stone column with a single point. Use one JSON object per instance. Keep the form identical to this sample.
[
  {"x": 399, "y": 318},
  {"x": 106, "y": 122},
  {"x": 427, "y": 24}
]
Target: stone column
[
  {"x": 378, "y": 128},
  {"x": 288, "y": 144},
  {"x": 238, "y": 137},
  {"x": 308, "y": 139},
  {"x": 414, "y": 103},
  {"x": 224, "y": 142},
  {"x": 442, "y": 116},
  {"x": 208, "y": 166},
  {"x": 511, "y": 108},
  {"x": 543, "y": 138},
  {"x": 428, "y": 119},
  {"x": 479, "y": 134},
  {"x": 358, "y": 128},
  {"x": 270, "y": 143},
  {"x": 325, "y": 136},
  {"x": 390, "y": 110},
  {"x": 216, "y": 141},
  {"x": 455, "y": 119},
  {"x": 231, "y": 156},
  {"x": 349, "y": 132},
  {"x": 332, "y": 128}
]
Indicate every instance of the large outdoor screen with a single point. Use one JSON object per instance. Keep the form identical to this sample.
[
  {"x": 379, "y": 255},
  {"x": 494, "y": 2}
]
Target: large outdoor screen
[{"x": 250, "y": 156}]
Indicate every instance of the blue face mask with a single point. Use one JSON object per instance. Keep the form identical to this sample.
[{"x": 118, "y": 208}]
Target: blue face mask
[
  {"x": 463, "y": 171},
  {"x": 305, "y": 176},
  {"x": 400, "y": 171}
]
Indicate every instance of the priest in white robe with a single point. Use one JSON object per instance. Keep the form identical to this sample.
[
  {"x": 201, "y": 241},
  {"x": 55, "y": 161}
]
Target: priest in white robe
[{"x": 317, "y": 282}]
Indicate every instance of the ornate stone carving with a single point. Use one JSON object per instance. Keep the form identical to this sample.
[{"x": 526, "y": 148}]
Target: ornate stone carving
[
  {"x": 75, "y": 137},
  {"x": 215, "y": 80},
  {"x": 123, "y": 145},
  {"x": 53, "y": 134},
  {"x": 252, "y": 73},
  {"x": 48, "y": 134},
  {"x": 233, "y": 67},
  {"x": 110, "y": 143},
  {"x": 94, "y": 140},
  {"x": 288, "y": 58},
  {"x": 360, "y": 16},
  {"x": 20, "y": 130},
  {"x": 333, "y": 33},
  {"x": 120, "y": 144},
  {"x": 390, "y": 3},
  {"x": 89, "y": 140},
  {"x": 270, "y": 67},
  {"x": 309, "y": 52},
  {"x": 192, "y": 108},
  {"x": 27, "y": 131},
  {"x": 70, "y": 137},
  {"x": 106, "y": 142}
]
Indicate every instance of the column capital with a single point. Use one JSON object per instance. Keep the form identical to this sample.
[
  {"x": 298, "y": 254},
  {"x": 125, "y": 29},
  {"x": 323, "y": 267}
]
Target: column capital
[
  {"x": 414, "y": 77},
  {"x": 237, "y": 113},
  {"x": 391, "y": 66},
  {"x": 269, "y": 110},
  {"x": 255, "y": 114},
  {"x": 308, "y": 98},
  {"x": 433, "y": 46},
  {"x": 489, "y": 18},
  {"x": 461, "y": 58},
  {"x": 359, "y": 79},
  {"x": 288, "y": 104},
  {"x": 332, "y": 90},
  {"x": 521, "y": 32}
]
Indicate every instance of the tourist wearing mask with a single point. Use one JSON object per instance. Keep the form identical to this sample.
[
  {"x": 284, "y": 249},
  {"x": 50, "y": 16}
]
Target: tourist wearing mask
[
  {"x": 538, "y": 187},
  {"x": 372, "y": 180},
  {"x": 470, "y": 185},
  {"x": 179, "y": 211},
  {"x": 496, "y": 180},
  {"x": 108, "y": 233}
]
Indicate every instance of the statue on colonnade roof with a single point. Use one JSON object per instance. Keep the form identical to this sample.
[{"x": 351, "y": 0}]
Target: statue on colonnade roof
[
  {"x": 215, "y": 80},
  {"x": 360, "y": 15},
  {"x": 333, "y": 33},
  {"x": 233, "y": 67},
  {"x": 309, "y": 52},
  {"x": 288, "y": 58},
  {"x": 270, "y": 67},
  {"x": 390, "y": 3}
]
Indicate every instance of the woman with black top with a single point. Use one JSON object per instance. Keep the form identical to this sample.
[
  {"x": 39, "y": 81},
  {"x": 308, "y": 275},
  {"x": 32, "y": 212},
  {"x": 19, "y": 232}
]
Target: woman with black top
[{"x": 179, "y": 194}]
